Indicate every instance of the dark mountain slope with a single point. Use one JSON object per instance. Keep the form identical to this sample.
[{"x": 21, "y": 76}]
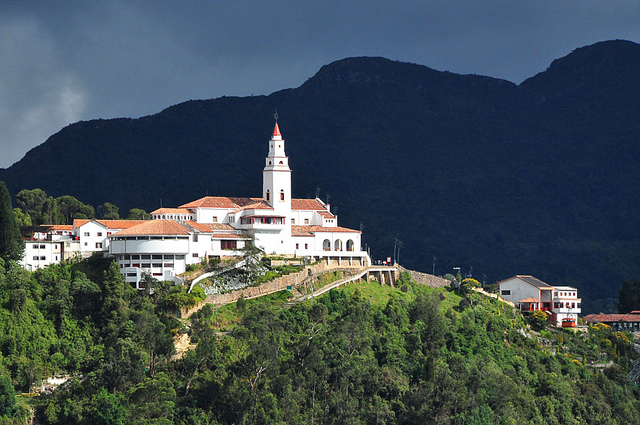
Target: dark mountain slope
[{"x": 475, "y": 171}]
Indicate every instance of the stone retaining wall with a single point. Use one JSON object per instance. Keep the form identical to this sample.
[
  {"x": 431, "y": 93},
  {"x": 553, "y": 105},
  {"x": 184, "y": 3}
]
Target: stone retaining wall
[{"x": 280, "y": 284}]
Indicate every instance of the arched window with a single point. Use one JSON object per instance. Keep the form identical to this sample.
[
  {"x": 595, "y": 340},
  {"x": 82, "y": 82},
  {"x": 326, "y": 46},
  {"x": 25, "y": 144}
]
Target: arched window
[
  {"x": 326, "y": 245},
  {"x": 268, "y": 195},
  {"x": 337, "y": 245},
  {"x": 282, "y": 195},
  {"x": 350, "y": 245}
]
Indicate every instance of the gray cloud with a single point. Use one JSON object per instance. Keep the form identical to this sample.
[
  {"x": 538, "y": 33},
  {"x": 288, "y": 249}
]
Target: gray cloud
[{"x": 61, "y": 62}]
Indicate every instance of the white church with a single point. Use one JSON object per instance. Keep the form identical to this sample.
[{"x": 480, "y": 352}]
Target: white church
[{"x": 217, "y": 226}]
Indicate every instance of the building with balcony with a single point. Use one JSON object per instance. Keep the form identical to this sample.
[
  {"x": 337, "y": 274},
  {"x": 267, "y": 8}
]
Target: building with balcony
[{"x": 528, "y": 293}]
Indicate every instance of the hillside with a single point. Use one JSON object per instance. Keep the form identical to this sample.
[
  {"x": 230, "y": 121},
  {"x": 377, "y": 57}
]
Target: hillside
[
  {"x": 539, "y": 178},
  {"x": 364, "y": 353}
]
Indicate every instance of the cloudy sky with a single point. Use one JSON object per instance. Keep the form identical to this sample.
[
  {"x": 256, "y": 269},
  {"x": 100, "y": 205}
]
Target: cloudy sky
[{"x": 61, "y": 62}]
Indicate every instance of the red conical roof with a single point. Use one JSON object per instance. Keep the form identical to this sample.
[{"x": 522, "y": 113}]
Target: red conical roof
[{"x": 276, "y": 130}]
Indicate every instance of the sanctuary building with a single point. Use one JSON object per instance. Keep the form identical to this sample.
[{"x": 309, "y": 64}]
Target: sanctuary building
[{"x": 222, "y": 226}]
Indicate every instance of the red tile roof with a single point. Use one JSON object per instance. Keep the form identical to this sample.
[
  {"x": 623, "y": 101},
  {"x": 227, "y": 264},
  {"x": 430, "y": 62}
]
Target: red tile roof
[
  {"x": 79, "y": 222},
  {"x": 221, "y": 202},
  {"x": 307, "y": 204},
  {"x": 260, "y": 205},
  {"x": 109, "y": 224},
  {"x": 310, "y": 230},
  {"x": 120, "y": 224},
  {"x": 171, "y": 211},
  {"x": 155, "y": 227},
  {"x": 199, "y": 227},
  {"x": 529, "y": 300},
  {"x": 227, "y": 236},
  {"x": 61, "y": 226},
  {"x": 326, "y": 214},
  {"x": 218, "y": 226},
  {"x": 609, "y": 318}
]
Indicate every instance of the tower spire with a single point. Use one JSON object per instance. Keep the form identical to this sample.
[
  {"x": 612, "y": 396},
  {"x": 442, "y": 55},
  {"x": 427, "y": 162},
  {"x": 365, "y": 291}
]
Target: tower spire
[{"x": 276, "y": 129}]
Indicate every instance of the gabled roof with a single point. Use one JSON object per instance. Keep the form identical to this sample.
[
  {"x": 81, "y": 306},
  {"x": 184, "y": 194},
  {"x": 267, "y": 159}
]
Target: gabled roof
[
  {"x": 155, "y": 227},
  {"x": 326, "y": 214},
  {"x": 224, "y": 202},
  {"x": 308, "y": 205},
  {"x": 217, "y": 227},
  {"x": 171, "y": 211},
  {"x": 533, "y": 281},
  {"x": 311, "y": 230},
  {"x": 529, "y": 300},
  {"x": 259, "y": 205},
  {"x": 109, "y": 224},
  {"x": 199, "y": 227}
]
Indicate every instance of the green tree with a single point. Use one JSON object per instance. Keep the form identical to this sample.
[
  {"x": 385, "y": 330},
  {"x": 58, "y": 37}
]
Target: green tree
[
  {"x": 8, "y": 406},
  {"x": 138, "y": 214},
  {"x": 153, "y": 399},
  {"x": 22, "y": 219},
  {"x": 629, "y": 296},
  {"x": 110, "y": 211},
  {"x": 11, "y": 243},
  {"x": 31, "y": 202},
  {"x": 71, "y": 208}
]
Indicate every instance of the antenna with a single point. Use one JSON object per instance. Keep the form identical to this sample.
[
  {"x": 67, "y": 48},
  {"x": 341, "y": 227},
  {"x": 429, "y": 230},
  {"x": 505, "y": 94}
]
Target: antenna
[
  {"x": 275, "y": 114},
  {"x": 318, "y": 191}
]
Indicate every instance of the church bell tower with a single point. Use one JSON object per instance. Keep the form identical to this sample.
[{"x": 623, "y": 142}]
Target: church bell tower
[{"x": 276, "y": 177}]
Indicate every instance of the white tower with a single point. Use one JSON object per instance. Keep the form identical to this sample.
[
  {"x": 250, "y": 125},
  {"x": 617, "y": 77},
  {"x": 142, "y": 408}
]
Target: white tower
[{"x": 276, "y": 177}]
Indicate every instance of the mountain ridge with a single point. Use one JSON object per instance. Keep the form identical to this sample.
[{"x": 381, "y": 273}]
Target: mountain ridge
[{"x": 478, "y": 172}]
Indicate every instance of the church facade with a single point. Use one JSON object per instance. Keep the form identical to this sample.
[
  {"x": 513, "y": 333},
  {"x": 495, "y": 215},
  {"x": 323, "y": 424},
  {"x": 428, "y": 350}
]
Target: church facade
[{"x": 222, "y": 226}]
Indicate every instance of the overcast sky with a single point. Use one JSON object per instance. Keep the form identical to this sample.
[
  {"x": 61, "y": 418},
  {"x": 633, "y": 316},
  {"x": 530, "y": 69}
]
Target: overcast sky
[{"x": 61, "y": 62}]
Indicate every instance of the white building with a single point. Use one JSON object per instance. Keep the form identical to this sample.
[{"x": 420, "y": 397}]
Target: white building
[
  {"x": 48, "y": 244},
  {"x": 528, "y": 293},
  {"x": 220, "y": 226}
]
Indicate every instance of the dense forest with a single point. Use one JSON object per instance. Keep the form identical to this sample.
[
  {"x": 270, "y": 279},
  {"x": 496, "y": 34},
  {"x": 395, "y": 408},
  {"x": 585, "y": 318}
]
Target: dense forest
[
  {"x": 365, "y": 354},
  {"x": 466, "y": 171}
]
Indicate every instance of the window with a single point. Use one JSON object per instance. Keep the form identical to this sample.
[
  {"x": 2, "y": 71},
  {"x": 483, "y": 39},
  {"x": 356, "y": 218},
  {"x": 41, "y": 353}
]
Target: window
[
  {"x": 306, "y": 221},
  {"x": 156, "y": 257},
  {"x": 43, "y": 258},
  {"x": 35, "y": 246},
  {"x": 98, "y": 245},
  {"x": 99, "y": 233},
  {"x": 505, "y": 292},
  {"x": 42, "y": 246},
  {"x": 293, "y": 221},
  {"x": 35, "y": 257},
  {"x": 157, "y": 265},
  {"x": 214, "y": 219},
  {"x": 194, "y": 255},
  {"x": 86, "y": 233},
  {"x": 297, "y": 246},
  {"x": 228, "y": 245},
  {"x": 146, "y": 257},
  {"x": 146, "y": 265},
  {"x": 306, "y": 246},
  {"x": 282, "y": 195},
  {"x": 195, "y": 238},
  {"x": 268, "y": 193}
]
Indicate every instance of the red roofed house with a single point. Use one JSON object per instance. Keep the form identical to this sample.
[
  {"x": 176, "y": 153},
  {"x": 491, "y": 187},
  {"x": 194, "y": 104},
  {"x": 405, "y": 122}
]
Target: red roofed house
[
  {"x": 618, "y": 322},
  {"x": 529, "y": 293},
  {"x": 220, "y": 226}
]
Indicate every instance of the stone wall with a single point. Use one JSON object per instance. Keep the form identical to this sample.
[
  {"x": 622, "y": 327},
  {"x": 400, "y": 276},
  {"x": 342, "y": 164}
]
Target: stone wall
[{"x": 294, "y": 280}]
